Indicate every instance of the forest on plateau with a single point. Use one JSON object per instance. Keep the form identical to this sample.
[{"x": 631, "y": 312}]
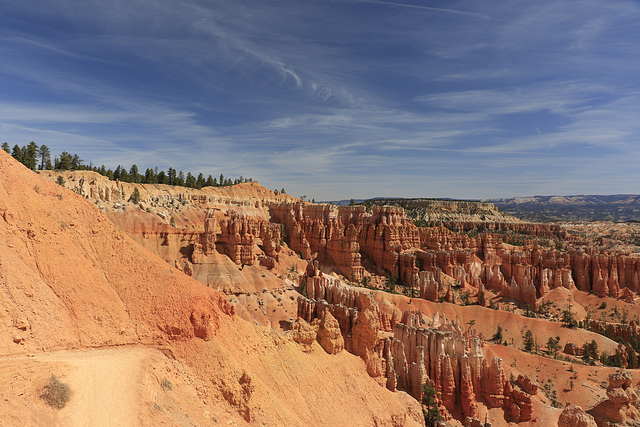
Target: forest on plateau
[{"x": 39, "y": 158}]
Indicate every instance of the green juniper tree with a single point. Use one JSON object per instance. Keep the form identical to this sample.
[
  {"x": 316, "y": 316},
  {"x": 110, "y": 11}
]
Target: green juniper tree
[
  {"x": 431, "y": 413},
  {"x": 529, "y": 342}
]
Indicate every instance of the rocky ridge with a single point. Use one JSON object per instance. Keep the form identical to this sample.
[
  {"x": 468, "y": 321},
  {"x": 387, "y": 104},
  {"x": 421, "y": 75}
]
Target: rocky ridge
[{"x": 467, "y": 216}]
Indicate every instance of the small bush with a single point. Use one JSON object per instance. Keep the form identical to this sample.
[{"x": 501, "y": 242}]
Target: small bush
[
  {"x": 56, "y": 394},
  {"x": 166, "y": 384}
]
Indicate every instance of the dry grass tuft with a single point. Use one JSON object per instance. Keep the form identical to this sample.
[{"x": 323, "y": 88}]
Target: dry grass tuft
[{"x": 56, "y": 393}]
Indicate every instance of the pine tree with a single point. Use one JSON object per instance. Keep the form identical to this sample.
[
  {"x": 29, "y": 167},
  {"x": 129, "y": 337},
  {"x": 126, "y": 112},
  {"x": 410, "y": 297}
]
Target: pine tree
[
  {"x": 30, "y": 155},
  {"x": 481, "y": 298},
  {"x": 593, "y": 346},
  {"x": 63, "y": 162},
  {"x": 149, "y": 176},
  {"x": 431, "y": 414},
  {"x": 200, "y": 182},
  {"x": 5, "y": 147},
  {"x": 171, "y": 176},
  {"x": 124, "y": 175},
  {"x": 76, "y": 163},
  {"x": 553, "y": 346},
  {"x": 497, "y": 337},
  {"x": 633, "y": 358},
  {"x": 44, "y": 154},
  {"x": 134, "y": 175},
  {"x": 17, "y": 153},
  {"x": 586, "y": 353},
  {"x": 190, "y": 181}
]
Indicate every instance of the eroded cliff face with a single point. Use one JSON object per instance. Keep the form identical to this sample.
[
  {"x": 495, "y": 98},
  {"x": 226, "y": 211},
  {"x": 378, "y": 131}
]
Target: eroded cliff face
[
  {"x": 408, "y": 350},
  {"x": 423, "y": 258},
  {"x": 237, "y": 236}
]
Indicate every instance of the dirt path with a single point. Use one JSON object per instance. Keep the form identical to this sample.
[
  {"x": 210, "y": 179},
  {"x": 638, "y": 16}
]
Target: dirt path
[{"x": 105, "y": 383}]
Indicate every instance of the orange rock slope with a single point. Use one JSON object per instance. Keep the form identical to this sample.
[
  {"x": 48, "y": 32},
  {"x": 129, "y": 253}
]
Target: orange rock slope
[{"x": 72, "y": 282}]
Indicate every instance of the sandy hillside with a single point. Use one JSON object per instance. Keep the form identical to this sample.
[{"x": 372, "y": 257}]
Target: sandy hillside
[{"x": 82, "y": 300}]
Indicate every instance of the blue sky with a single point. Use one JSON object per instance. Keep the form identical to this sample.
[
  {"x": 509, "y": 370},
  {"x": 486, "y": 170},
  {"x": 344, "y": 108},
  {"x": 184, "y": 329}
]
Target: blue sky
[{"x": 335, "y": 99}]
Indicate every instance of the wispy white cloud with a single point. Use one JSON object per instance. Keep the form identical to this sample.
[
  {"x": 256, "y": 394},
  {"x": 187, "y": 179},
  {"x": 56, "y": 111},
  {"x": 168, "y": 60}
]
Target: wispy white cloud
[
  {"x": 402, "y": 98},
  {"x": 422, "y": 7}
]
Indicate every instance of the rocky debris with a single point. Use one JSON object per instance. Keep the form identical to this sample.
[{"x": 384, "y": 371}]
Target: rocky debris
[
  {"x": 329, "y": 335},
  {"x": 21, "y": 323},
  {"x": 620, "y": 409},
  {"x": 574, "y": 416},
  {"x": 239, "y": 393},
  {"x": 187, "y": 268},
  {"x": 266, "y": 261}
]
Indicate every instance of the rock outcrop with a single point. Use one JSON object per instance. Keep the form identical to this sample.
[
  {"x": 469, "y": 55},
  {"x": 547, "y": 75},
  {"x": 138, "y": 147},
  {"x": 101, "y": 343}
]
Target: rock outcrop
[
  {"x": 304, "y": 333},
  {"x": 329, "y": 335},
  {"x": 574, "y": 416},
  {"x": 621, "y": 407}
]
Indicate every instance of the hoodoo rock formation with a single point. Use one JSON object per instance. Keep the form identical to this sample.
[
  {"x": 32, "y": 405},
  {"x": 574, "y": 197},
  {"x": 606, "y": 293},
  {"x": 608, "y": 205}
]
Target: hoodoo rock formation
[
  {"x": 236, "y": 236},
  {"x": 417, "y": 353},
  {"x": 387, "y": 241}
]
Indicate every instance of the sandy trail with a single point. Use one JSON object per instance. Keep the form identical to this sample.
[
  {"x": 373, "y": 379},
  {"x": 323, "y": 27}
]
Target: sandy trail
[{"x": 105, "y": 383}]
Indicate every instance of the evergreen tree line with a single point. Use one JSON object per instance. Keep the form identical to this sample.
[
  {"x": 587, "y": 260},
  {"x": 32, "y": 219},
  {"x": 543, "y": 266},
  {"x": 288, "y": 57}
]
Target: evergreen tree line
[{"x": 39, "y": 158}]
